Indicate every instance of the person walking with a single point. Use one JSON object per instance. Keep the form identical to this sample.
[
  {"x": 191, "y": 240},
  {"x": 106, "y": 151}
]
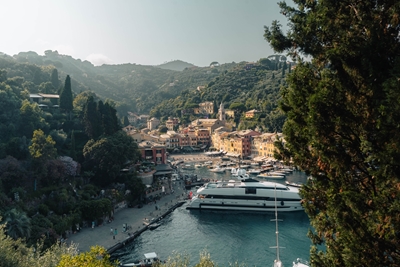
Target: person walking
[{"x": 111, "y": 231}]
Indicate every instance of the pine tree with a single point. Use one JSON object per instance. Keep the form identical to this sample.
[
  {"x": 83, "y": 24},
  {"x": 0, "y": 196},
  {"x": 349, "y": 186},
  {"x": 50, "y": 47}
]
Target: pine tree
[{"x": 342, "y": 125}]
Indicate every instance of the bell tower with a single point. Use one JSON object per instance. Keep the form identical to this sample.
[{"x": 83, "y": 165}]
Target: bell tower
[{"x": 221, "y": 112}]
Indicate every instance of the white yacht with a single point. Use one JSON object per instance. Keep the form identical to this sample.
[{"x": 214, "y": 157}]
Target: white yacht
[
  {"x": 245, "y": 195},
  {"x": 217, "y": 169},
  {"x": 150, "y": 259},
  {"x": 300, "y": 263}
]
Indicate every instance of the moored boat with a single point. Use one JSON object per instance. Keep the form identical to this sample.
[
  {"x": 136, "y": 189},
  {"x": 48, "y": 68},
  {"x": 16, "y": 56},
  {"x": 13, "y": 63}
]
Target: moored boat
[
  {"x": 293, "y": 184},
  {"x": 245, "y": 195},
  {"x": 150, "y": 259},
  {"x": 300, "y": 263},
  {"x": 254, "y": 171},
  {"x": 277, "y": 173},
  {"x": 217, "y": 169},
  {"x": 270, "y": 176}
]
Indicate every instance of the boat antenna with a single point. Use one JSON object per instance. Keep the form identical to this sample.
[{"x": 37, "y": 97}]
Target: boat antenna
[{"x": 277, "y": 261}]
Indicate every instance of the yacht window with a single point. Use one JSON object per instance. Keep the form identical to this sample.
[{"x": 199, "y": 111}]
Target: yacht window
[{"x": 251, "y": 190}]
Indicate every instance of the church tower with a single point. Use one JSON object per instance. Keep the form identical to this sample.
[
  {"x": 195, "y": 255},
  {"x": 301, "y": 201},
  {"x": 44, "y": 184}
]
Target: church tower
[{"x": 221, "y": 112}]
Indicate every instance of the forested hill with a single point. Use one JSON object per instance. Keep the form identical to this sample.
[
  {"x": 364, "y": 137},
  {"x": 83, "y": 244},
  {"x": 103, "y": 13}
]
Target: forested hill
[
  {"x": 244, "y": 86},
  {"x": 133, "y": 87},
  {"x": 177, "y": 65},
  {"x": 140, "y": 88}
]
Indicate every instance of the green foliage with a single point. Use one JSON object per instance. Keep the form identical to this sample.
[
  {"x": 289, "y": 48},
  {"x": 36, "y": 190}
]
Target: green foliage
[
  {"x": 54, "y": 78},
  {"x": 66, "y": 96},
  {"x": 17, "y": 223},
  {"x": 17, "y": 253},
  {"x": 31, "y": 118},
  {"x": 42, "y": 147},
  {"x": 96, "y": 257},
  {"x": 342, "y": 120},
  {"x": 95, "y": 209},
  {"x": 107, "y": 156}
]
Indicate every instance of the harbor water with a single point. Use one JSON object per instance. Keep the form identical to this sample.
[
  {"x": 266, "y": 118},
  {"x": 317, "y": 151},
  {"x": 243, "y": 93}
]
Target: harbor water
[{"x": 228, "y": 237}]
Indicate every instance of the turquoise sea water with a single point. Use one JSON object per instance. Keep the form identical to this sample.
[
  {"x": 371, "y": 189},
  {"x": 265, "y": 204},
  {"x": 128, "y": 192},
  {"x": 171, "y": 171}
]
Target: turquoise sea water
[{"x": 228, "y": 236}]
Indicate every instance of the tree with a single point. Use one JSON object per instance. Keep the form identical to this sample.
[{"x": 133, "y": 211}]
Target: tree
[
  {"x": 17, "y": 253},
  {"x": 341, "y": 127},
  {"x": 125, "y": 121},
  {"x": 66, "y": 96},
  {"x": 91, "y": 119},
  {"x": 41, "y": 150},
  {"x": 42, "y": 147},
  {"x": 96, "y": 257},
  {"x": 54, "y": 78},
  {"x": 18, "y": 224},
  {"x": 31, "y": 118},
  {"x": 107, "y": 156}
]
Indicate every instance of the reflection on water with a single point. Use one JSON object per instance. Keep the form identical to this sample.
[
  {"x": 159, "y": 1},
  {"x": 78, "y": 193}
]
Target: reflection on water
[{"x": 228, "y": 236}]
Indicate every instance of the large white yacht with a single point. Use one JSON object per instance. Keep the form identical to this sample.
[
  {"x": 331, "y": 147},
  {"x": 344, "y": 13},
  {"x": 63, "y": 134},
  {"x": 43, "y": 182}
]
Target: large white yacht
[{"x": 246, "y": 195}]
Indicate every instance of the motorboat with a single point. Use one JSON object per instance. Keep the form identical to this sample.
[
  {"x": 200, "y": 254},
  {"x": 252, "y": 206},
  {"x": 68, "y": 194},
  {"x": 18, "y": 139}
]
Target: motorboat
[
  {"x": 238, "y": 171},
  {"x": 150, "y": 259},
  {"x": 293, "y": 184},
  {"x": 300, "y": 263},
  {"x": 245, "y": 195},
  {"x": 154, "y": 226},
  {"x": 188, "y": 167},
  {"x": 217, "y": 169},
  {"x": 277, "y": 173},
  {"x": 254, "y": 171},
  {"x": 199, "y": 165},
  {"x": 270, "y": 176}
]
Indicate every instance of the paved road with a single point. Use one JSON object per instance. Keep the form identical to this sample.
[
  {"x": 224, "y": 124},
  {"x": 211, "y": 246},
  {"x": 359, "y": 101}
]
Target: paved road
[{"x": 134, "y": 217}]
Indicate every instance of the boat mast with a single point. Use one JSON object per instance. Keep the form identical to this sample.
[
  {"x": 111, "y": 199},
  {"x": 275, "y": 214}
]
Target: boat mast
[{"x": 277, "y": 261}]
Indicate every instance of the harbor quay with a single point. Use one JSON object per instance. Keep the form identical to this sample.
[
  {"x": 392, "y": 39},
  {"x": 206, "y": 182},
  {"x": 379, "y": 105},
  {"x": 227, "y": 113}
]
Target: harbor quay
[{"x": 128, "y": 223}]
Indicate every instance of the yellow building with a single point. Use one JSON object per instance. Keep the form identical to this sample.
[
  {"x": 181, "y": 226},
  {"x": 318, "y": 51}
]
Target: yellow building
[{"x": 263, "y": 145}]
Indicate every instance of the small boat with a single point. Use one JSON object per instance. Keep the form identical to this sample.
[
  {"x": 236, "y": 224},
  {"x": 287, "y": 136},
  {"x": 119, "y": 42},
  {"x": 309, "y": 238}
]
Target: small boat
[
  {"x": 245, "y": 166},
  {"x": 154, "y": 226},
  {"x": 270, "y": 176},
  {"x": 300, "y": 263},
  {"x": 208, "y": 163},
  {"x": 293, "y": 184},
  {"x": 188, "y": 167},
  {"x": 150, "y": 259},
  {"x": 277, "y": 173},
  {"x": 254, "y": 171},
  {"x": 217, "y": 169},
  {"x": 198, "y": 165}
]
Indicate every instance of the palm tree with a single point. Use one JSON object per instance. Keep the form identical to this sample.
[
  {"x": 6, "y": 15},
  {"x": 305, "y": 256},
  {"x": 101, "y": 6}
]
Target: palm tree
[{"x": 18, "y": 224}]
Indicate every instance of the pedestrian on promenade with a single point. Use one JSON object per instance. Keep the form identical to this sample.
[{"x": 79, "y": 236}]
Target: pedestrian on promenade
[
  {"x": 111, "y": 231},
  {"x": 115, "y": 231}
]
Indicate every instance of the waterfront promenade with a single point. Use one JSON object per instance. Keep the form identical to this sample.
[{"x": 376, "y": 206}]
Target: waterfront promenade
[{"x": 136, "y": 218}]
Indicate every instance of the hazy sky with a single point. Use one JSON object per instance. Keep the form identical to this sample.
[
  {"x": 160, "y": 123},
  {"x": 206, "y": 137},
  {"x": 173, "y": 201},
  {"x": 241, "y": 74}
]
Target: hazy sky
[{"x": 146, "y": 32}]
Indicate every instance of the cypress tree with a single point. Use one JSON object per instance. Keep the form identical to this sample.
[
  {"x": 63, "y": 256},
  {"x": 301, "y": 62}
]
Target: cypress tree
[
  {"x": 54, "y": 78},
  {"x": 66, "y": 96}
]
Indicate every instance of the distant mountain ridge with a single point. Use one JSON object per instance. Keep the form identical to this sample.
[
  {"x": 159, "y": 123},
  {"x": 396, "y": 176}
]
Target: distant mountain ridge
[{"x": 177, "y": 65}]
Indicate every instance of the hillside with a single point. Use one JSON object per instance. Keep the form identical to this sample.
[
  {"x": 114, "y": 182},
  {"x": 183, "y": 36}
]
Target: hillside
[
  {"x": 163, "y": 92},
  {"x": 177, "y": 65},
  {"x": 248, "y": 85}
]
